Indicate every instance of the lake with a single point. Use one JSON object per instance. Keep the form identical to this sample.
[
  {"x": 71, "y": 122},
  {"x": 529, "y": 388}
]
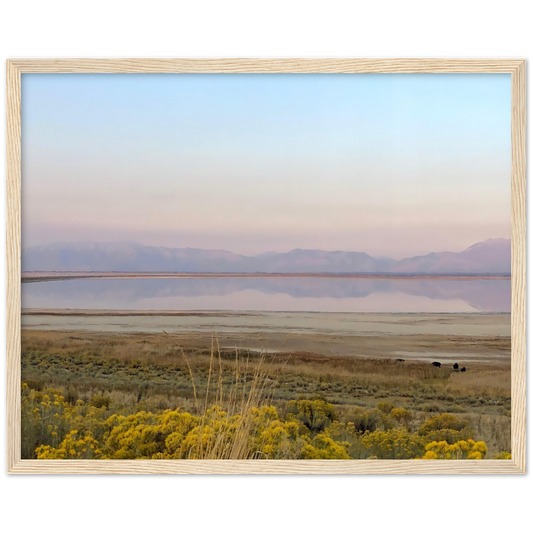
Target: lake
[{"x": 310, "y": 294}]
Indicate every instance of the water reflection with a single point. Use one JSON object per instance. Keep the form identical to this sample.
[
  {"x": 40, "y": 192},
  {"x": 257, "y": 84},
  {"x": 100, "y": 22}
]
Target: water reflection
[{"x": 273, "y": 294}]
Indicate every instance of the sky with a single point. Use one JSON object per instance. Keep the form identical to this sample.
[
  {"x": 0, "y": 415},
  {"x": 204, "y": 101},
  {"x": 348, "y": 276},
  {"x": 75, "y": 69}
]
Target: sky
[{"x": 390, "y": 164}]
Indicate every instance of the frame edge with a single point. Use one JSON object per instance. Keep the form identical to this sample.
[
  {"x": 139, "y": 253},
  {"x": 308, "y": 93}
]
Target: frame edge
[{"x": 13, "y": 289}]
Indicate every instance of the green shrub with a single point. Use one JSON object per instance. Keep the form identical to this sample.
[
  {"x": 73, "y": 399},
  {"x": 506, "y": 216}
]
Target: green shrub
[
  {"x": 446, "y": 428},
  {"x": 385, "y": 407},
  {"x": 368, "y": 420},
  {"x": 316, "y": 415},
  {"x": 100, "y": 401},
  {"x": 444, "y": 421}
]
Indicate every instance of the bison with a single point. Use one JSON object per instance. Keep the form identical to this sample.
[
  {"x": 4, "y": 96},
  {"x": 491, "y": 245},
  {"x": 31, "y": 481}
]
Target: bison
[
  {"x": 436, "y": 363},
  {"x": 456, "y": 366},
  {"x": 463, "y": 369},
  {"x": 400, "y": 360}
]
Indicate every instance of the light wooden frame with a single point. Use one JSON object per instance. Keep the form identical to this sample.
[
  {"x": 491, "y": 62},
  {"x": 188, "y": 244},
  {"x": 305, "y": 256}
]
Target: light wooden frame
[{"x": 517, "y": 69}]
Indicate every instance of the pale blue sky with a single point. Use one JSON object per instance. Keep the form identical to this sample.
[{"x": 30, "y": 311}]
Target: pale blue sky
[{"x": 385, "y": 163}]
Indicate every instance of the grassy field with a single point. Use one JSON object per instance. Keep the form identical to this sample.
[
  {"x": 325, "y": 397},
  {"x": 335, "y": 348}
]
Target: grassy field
[{"x": 123, "y": 375}]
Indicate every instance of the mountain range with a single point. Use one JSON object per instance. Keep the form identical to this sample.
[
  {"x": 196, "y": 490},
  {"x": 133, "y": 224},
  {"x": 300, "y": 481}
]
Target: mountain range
[{"x": 492, "y": 256}]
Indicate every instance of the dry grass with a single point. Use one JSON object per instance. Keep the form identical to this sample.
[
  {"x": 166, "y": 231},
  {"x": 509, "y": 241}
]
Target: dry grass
[
  {"x": 386, "y": 374},
  {"x": 484, "y": 383}
]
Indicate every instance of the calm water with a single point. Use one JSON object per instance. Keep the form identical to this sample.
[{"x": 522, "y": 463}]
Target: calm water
[{"x": 273, "y": 294}]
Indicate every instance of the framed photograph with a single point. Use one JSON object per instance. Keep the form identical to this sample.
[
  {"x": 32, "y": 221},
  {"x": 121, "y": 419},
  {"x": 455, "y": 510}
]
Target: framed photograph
[{"x": 253, "y": 266}]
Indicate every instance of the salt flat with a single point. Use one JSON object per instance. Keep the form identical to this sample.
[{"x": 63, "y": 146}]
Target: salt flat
[{"x": 465, "y": 337}]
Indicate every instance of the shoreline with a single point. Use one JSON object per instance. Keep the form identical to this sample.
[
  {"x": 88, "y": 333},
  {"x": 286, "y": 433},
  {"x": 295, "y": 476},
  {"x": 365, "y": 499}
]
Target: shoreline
[
  {"x": 228, "y": 312},
  {"x": 38, "y": 277}
]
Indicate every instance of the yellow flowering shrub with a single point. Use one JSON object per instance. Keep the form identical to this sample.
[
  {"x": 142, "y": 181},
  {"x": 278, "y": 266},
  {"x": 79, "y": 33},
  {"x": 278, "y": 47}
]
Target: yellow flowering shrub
[
  {"x": 176, "y": 425},
  {"x": 401, "y": 415},
  {"x": 45, "y": 419},
  {"x": 503, "y": 455},
  {"x": 278, "y": 440},
  {"x": 90, "y": 420},
  {"x": 443, "y": 421},
  {"x": 349, "y": 436},
  {"x": 324, "y": 447},
  {"x": 147, "y": 435},
  {"x": 259, "y": 434},
  {"x": 385, "y": 407},
  {"x": 54, "y": 428},
  {"x": 393, "y": 444},
  {"x": 213, "y": 437},
  {"x": 446, "y": 427},
  {"x": 73, "y": 446},
  {"x": 463, "y": 449}
]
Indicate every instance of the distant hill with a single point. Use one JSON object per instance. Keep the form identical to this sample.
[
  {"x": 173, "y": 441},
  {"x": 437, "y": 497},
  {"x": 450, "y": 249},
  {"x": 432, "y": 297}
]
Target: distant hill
[{"x": 490, "y": 256}]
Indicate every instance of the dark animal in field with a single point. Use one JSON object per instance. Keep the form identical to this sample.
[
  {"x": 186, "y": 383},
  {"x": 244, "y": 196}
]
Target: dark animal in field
[
  {"x": 436, "y": 363},
  {"x": 456, "y": 366},
  {"x": 463, "y": 369},
  {"x": 400, "y": 360}
]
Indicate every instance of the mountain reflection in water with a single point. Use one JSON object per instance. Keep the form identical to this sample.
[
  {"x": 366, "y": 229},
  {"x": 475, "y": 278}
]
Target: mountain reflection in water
[{"x": 273, "y": 294}]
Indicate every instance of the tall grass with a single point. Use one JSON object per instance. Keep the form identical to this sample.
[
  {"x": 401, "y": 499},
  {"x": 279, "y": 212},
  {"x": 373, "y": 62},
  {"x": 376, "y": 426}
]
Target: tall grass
[{"x": 239, "y": 401}]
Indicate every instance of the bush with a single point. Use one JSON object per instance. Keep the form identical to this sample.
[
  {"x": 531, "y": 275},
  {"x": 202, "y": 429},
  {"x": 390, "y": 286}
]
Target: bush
[
  {"x": 444, "y": 421},
  {"x": 463, "y": 449},
  {"x": 401, "y": 415},
  {"x": 393, "y": 444},
  {"x": 503, "y": 455},
  {"x": 73, "y": 446},
  {"x": 316, "y": 415},
  {"x": 430, "y": 408},
  {"x": 100, "y": 401},
  {"x": 446, "y": 427},
  {"x": 385, "y": 407},
  {"x": 368, "y": 420},
  {"x": 324, "y": 447},
  {"x": 44, "y": 419}
]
